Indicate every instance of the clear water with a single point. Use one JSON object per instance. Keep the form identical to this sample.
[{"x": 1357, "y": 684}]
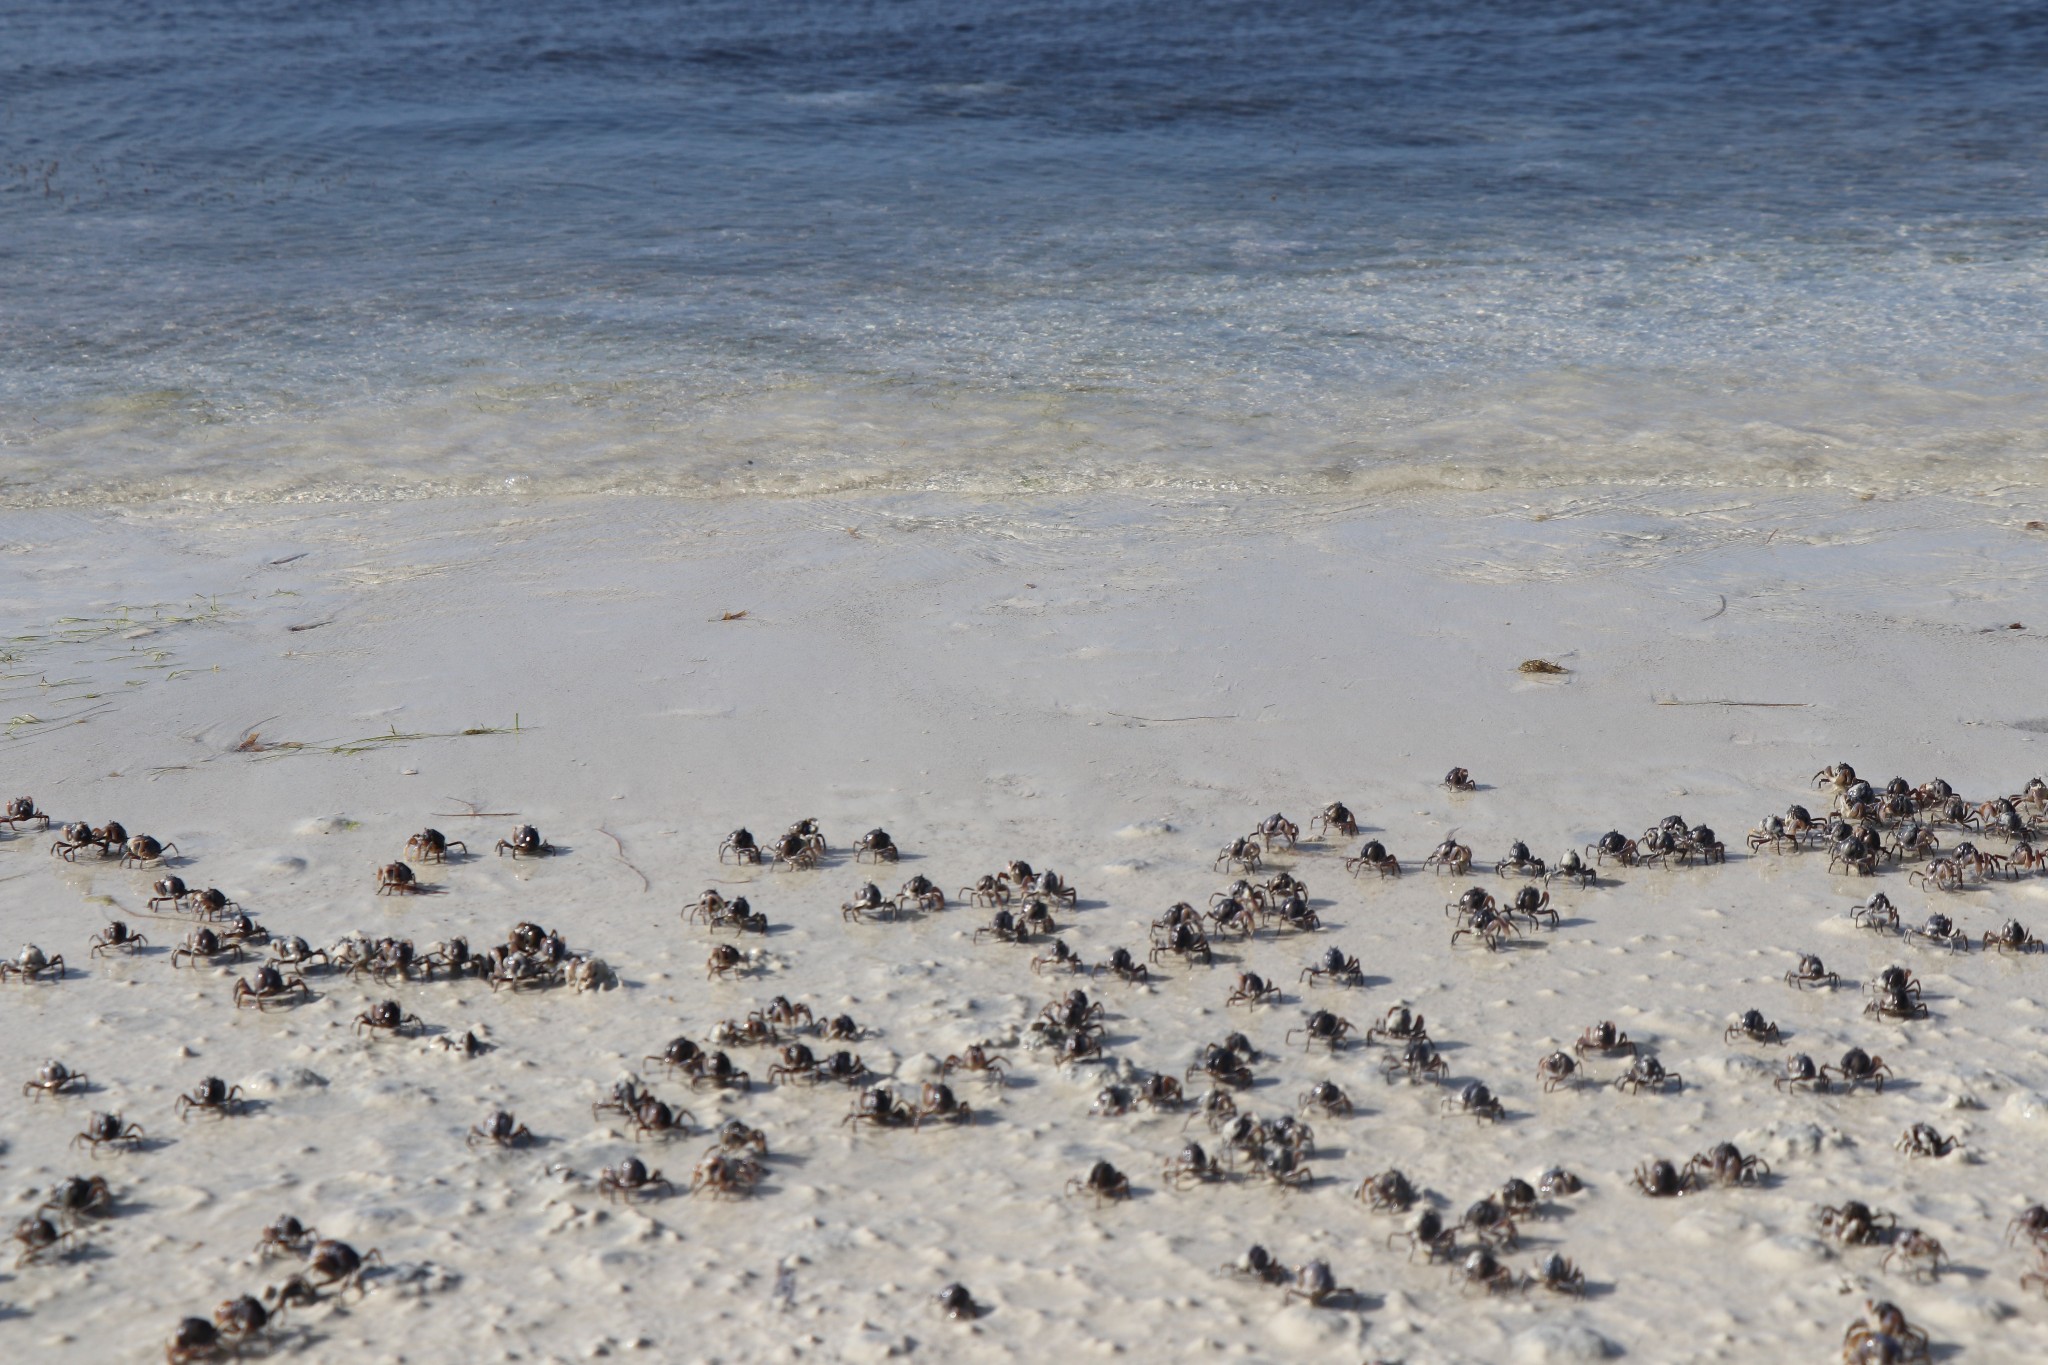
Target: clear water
[{"x": 408, "y": 248}]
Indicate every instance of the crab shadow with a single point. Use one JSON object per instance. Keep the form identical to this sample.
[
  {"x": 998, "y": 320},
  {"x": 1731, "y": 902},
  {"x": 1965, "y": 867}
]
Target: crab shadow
[{"x": 243, "y": 1107}]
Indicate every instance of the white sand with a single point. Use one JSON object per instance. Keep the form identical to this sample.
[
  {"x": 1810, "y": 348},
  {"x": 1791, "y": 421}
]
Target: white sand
[{"x": 972, "y": 676}]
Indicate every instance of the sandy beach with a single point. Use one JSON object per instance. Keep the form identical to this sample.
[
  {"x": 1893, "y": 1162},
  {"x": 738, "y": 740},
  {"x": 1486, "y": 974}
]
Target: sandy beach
[{"x": 1113, "y": 688}]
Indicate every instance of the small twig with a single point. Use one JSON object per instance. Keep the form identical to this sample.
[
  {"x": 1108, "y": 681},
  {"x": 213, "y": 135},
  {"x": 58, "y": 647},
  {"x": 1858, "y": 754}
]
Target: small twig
[
  {"x": 312, "y": 625},
  {"x": 1168, "y": 720},
  {"x": 1718, "y": 702},
  {"x": 1718, "y": 610},
  {"x": 472, "y": 813},
  {"x": 645, "y": 885}
]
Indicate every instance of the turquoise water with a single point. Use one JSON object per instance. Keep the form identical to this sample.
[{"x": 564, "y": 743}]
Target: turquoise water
[{"x": 410, "y": 248}]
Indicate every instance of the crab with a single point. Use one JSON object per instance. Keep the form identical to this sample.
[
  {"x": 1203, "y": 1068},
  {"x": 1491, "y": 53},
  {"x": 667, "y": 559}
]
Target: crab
[
  {"x": 937, "y": 1102},
  {"x": 1323, "y": 1027},
  {"x": 1921, "y": 1139},
  {"x": 1458, "y": 780},
  {"x": 336, "y": 1263},
  {"x": 501, "y": 1129},
  {"x": 1616, "y": 845},
  {"x": 990, "y": 891},
  {"x": 1474, "y": 1101},
  {"x": 1647, "y": 1073},
  {"x": 1800, "y": 1070},
  {"x": 725, "y": 960},
  {"x": 631, "y": 1177},
  {"x": 142, "y": 849},
  {"x": 956, "y": 1303},
  {"x": 2009, "y": 937},
  {"x": 1474, "y": 900},
  {"x": 653, "y": 1117},
  {"x": 1884, "y": 1337},
  {"x": 1811, "y": 971},
  {"x": 741, "y": 845},
  {"x": 1335, "y": 818},
  {"x": 1418, "y": 1062},
  {"x": 792, "y": 850},
  {"x": 431, "y": 846},
  {"x": 1063, "y": 956},
  {"x": 1726, "y": 1164},
  {"x": 296, "y": 952},
  {"x": 525, "y": 843},
  {"x": 110, "y": 1130},
  {"x": 1222, "y": 1066},
  {"x": 211, "y": 1096},
  {"x": 1334, "y": 965},
  {"x": 32, "y": 964},
  {"x": 1241, "y": 855},
  {"x": 287, "y": 1235},
  {"x": 395, "y": 879},
  {"x": 1489, "y": 1221},
  {"x": 979, "y": 1061},
  {"x": 1450, "y": 856},
  {"x": 919, "y": 892},
  {"x": 1399, "y": 1024},
  {"x": 1556, "y": 1273},
  {"x": 1557, "y": 1070},
  {"x": 1772, "y": 832},
  {"x": 1920, "y": 1254},
  {"x": 875, "y": 846},
  {"x": 1125, "y": 968},
  {"x": 718, "y": 1072},
  {"x": 38, "y": 1236},
  {"x": 879, "y": 1107},
  {"x": 79, "y": 1198},
  {"x": 1186, "y": 941},
  {"x": 171, "y": 891},
  {"x": 1858, "y": 1066},
  {"x": 1520, "y": 862},
  {"x": 1854, "y": 1223},
  {"x": 1373, "y": 857},
  {"x": 1426, "y": 1233},
  {"x": 1753, "y": 1026},
  {"x": 732, "y": 1033},
  {"x": 387, "y": 1017},
  {"x": 1191, "y": 1166},
  {"x": 1482, "y": 1270},
  {"x": 1253, "y": 989},
  {"x": 726, "y": 1176},
  {"x": 53, "y": 1078},
  {"x": 1387, "y": 1191},
  {"x": 1487, "y": 926},
  {"x": 1258, "y": 1264},
  {"x": 1533, "y": 905},
  {"x": 1316, "y": 1285},
  {"x": 1605, "y": 1040},
  {"x": 1231, "y": 914},
  {"x": 78, "y": 835},
  {"x": 1273, "y": 829},
  {"x": 735, "y": 1136},
  {"x": 271, "y": 984},
  {"x": 842, "y": 1028},
  {"x": 1662, "y": 1180},
  {"x": 1876, "y": 913},
  {"x": 1326, "y": 1098},
  {"x": 1896, "y": 1000},
  {"x": 2032, "y": 1221}
]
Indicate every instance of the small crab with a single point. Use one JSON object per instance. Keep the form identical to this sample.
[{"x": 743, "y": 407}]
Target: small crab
[
  {"x": 879, "y": 1107},
  {"x": 1258, "y": 1264},
  {"x": 431, "y": 846},
  {"x": 387, "y": 1017},
  {"x": 1322, "y": 1027},
  {"x": 53, "y": 1078},
  {"x": 1800, "y": 1070},
  {"x": 936, "y": 1101},
  {"x": 1647, "y": 1073},
  {"x": 956, "y": 1303},
  {"x": 1426, "y": 1233},
  {"x": 1489, "y": 1221},
  {"x": 32, "y": 964},
  {"x": 287, "y": 1235},
  {"x": 726, "y": 1176},
  {"x": 110, "y": 1130},
  {"x": 1557, "y": 1182},
  {"x": 1854, "y": 1223},
  {"x": 1334, "y": 965},
  {"x": 921, "y": 893},
  {"x": 1186, "y": 941},
  {"x": 1616, "y": 845},
  {"x": 1458, "y": 780},
  {"x": 1474, "y": 1101},
  {"x": 1327, "y": 1098},
  {"x": 1239, "y": 855},
  {"x": 1063, "y": 956},
  {"x": 117, "y": 937},
  {"x": 741, "y": 845},
  {"x": 1004, "y": 927},
  {"x": 78, "y": 1198},
  {"x": 1662, "y": 1180},
  {"x": 525, "y": 843},
  {"x": 1556, "y": 1070},
  {"x": 1481, "y": 1269},
  {"x": 2009, "y": 937},
  {"x": 1388, "y": 1191},
  {"x": 1335, "y": 818},
  {"x": 1922, "y": 1139},
  {"x": 38, "y": 1236},
  {"x": 1605, "y": 1040},
  {"x": 500, "y": 1128},
  {"x": 1317, "y": 1285},
  {"x": 1858, "y": 1066},
  {"x": 271, "y": 984},
  {"x": 868, "y": 902},
  {"x": 1556, "y": 1273},
  {"x": 1726, "y": 1165},
  {"x": 1449, "y": 856},
  {"x": 792, "y": 850},
  {"x": 990, "y": 891},
  {"x": 977, "y": 1060},
  {"x": 630, "y": 1177},
  {"x": 1373, "y": 857},
  {"x": 142, "y": 849},
  {"x": 1418, "y": 1062},
  {"x": 725, "y": 960},
  {"x": 1124, "y": 967},
  {"x": 718, "y": 1072},
  {"x": 396, "y": 879},
  {"x": 1520, "y": 862},
  {"x": 1753, "y": 1026},
  {"x": 1920, "y": 1254},
  {"x": 211, "y": 1096},
  {"x": 1399, "y": 1023},
  {"x": 1533, "y": 905},
  {"x": 1811, "y": 971},
  {"x": 1253, "y": 989},
  {"x": 876, "y": 846},
  {"x": 1191, "y": 1166},
  {"x": 171, "y": 891}
]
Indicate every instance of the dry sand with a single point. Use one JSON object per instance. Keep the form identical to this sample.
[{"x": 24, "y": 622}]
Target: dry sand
[{"x": 1111, "y": 689}]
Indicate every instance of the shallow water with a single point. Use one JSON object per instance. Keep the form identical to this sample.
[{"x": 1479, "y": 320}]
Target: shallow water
[{"x": 422, "y": 248}]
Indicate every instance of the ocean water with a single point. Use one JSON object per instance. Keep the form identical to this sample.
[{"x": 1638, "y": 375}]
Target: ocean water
[{"x": 418, "y": 248}]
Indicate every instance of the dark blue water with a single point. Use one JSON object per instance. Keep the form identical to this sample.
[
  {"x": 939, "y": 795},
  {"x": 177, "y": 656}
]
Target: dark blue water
[{"x": 402, "y": 248}]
